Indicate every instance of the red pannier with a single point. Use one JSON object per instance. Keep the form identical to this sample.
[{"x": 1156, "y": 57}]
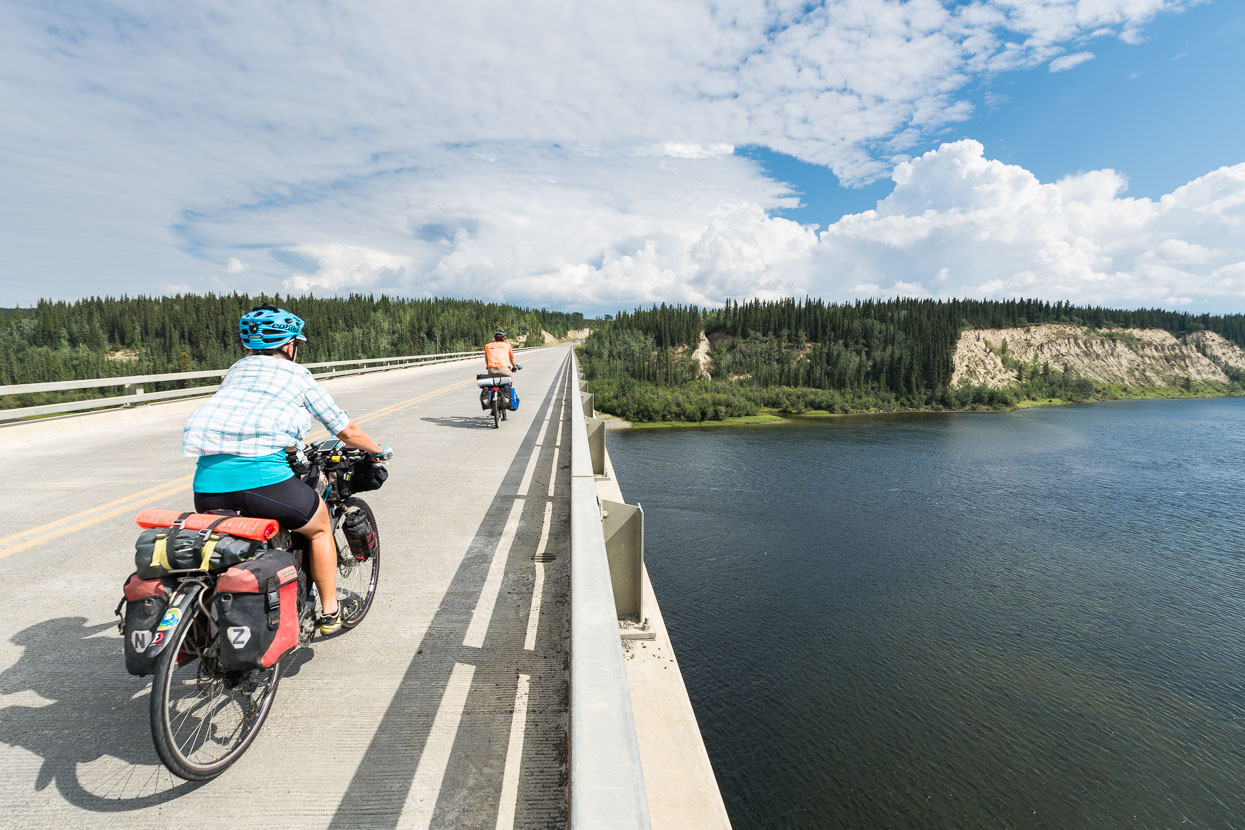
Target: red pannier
[
  {"x": 256, "y": 609},
  {"x": 145, "y": 602}
]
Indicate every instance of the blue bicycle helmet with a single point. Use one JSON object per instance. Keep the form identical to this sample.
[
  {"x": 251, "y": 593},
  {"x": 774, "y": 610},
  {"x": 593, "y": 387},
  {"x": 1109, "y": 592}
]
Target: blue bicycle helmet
[{"x": 269, "y": 327}]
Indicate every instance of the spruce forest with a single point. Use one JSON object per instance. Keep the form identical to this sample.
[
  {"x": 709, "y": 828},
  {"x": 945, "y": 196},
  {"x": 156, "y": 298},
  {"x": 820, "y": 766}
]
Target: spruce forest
[
  {"x": 107, "y": 337},
  {"x": 795, "y": 356}
]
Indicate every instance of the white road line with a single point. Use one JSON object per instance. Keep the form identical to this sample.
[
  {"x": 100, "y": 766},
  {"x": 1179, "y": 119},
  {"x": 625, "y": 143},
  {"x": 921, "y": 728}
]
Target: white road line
[
  {"x": 544, "y": 429},
  {"x": 561, "y": 419},
  {"x": 421, "y": 800},
  {"x": 483, "y": 613},
  {"x": 514, "y": 757},
  {"x": 553, "y": 477},
  {"x": 557, "y": 444},
  {"x": 526, "y": 481},
  {"x": 533, "y": 616}
]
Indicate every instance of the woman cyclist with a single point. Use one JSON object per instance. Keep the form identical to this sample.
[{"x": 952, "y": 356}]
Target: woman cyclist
[{"x": 239, "y": 436}]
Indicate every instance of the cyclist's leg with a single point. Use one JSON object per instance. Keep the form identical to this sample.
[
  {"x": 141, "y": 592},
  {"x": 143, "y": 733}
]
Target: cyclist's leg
[{"x": 323, "y": 558}]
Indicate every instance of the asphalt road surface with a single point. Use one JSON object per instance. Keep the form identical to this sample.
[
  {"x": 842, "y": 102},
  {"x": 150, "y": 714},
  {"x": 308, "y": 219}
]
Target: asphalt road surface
[{"x": 447, "y": 707}]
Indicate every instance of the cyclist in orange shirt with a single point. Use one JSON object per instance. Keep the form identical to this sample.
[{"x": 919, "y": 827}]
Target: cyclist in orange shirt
[
  {"x": 499, "y": 357},
  {"x": 498, "y": 360}
]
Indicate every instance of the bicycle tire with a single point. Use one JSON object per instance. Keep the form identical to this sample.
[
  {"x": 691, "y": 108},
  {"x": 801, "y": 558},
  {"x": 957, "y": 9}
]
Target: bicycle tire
[
  {"x": 353, "y": 575},
  {"x": 167, "y": 725},
  {"x": 496, "y": 413}
]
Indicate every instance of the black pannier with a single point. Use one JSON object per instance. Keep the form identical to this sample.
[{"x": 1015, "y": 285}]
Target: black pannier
[
  {"x": 160, "y": 550},
  {"x": 361, "y": 475},
  {"x": 255, "y": 606},
  {"x": 145, "y": 601}
]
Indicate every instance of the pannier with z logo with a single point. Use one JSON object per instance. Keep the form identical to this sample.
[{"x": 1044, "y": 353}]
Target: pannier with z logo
[{"x": 255, "y": 606}]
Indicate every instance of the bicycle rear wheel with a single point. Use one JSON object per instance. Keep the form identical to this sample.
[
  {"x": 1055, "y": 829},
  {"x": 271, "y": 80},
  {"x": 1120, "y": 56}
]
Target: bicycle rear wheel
[
  {"x": 202, "y": 718},
  {"x": 356, "y": 580},
  {"x": 496, "y": 412}
]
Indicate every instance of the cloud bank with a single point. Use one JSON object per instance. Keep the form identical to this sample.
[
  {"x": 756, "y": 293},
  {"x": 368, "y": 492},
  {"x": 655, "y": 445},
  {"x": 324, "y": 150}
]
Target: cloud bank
[
  {"x": 573, "y": 156},
  {"x": 956, "y": 223},
  {"x": 960, "y": 224}
]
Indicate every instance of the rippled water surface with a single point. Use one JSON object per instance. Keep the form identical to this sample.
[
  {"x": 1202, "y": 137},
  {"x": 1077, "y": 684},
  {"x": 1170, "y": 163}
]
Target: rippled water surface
[{"x": 1026, "y": 620}]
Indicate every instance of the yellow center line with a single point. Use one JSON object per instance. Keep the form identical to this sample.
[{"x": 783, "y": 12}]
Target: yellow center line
[
  {"x": 9, "y": 539},
  {"x": 388, "y": 410},
  {"x": 29, "y": 543},
  {"x": 57, "y": 528}
]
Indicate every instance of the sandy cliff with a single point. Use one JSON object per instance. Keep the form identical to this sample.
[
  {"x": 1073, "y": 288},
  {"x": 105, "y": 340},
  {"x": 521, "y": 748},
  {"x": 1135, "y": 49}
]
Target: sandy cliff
[{"x": 1127, "y": 357}]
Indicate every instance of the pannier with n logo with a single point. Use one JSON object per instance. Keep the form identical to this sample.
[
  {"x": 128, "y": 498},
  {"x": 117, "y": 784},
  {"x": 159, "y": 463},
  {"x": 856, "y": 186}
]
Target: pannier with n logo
[{"x": 145, "y": 602}]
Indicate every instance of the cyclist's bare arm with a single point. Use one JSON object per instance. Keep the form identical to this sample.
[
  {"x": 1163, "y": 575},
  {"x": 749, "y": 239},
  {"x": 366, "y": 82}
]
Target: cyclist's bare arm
[{"x": 354, "y": 436}]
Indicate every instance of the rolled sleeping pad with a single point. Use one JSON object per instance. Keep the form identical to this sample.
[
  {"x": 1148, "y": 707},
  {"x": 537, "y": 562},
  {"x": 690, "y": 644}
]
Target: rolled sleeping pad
[{"x": 242, "y": 526}]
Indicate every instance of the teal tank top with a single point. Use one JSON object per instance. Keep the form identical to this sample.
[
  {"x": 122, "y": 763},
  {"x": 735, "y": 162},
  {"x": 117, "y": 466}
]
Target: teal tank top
[{"x": 228, "y": 473}]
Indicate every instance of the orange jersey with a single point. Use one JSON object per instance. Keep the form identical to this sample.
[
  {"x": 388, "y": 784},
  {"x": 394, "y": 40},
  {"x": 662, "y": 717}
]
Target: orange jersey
[{"x": 498, "y": 355}]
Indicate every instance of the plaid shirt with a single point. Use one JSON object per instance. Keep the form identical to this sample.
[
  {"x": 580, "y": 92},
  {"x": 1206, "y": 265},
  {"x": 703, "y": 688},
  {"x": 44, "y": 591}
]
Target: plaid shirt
[{"x": 262, "y": 406}]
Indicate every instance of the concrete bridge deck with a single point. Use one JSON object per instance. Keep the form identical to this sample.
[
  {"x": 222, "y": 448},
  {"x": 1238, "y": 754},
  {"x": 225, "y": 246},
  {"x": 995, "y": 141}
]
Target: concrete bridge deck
[{"x": 447, "y": 707}]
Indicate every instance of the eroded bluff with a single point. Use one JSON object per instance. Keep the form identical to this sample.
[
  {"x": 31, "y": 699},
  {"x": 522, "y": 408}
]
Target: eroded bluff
[{"x": 1126, "y": 357}]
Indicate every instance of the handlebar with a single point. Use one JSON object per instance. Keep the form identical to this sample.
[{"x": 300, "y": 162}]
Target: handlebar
[
  {"x": 325, "y": 455},
  {"x": 321, "y": 451}
]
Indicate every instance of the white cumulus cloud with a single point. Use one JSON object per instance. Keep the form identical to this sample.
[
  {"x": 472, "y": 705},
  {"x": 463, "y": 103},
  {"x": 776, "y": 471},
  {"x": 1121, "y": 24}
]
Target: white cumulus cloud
[
  {"x": 1066, "y": 62},
  {"x": 960, "y": 224}
]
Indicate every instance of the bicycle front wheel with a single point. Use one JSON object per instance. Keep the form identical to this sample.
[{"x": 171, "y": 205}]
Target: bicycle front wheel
[
  {"x": 356, "y": 578},
  {"x": 203, "y": 718}
]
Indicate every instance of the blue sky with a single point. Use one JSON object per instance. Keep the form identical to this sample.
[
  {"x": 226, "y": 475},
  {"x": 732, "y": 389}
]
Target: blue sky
[
  {"x": 625, "y": 154},
  {"x": 1162, "y": 111}
]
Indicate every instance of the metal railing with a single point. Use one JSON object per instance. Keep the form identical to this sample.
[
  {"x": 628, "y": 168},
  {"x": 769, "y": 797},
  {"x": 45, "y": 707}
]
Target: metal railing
[
  {"x": 134, "y": 384},
  {"x": 606, "y": 780}
]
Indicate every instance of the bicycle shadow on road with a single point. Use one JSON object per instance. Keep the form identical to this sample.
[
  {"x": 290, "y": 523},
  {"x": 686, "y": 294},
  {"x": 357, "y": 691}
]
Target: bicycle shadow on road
[
  {"x": 94, "y": 736},
  {"x": 484, "y": 421}
]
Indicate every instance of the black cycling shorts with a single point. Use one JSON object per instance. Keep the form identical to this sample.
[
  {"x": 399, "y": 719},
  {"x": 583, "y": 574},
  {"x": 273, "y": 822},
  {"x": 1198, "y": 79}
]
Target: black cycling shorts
[{"x": 290, "y": 502}]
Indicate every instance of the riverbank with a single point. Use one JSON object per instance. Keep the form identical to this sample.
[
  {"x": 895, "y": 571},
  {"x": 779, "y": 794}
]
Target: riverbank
[{"x": 775, "y": 416}]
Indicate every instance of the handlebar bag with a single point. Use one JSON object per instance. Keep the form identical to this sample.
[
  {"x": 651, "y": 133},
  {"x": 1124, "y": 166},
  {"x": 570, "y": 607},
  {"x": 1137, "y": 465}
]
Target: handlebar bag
[
  {"x": 160, "y": 550},
  {"x": 363, "y": 475},
  {"x": 255, "y": 605},
  {"x": 145, "y": 601}
]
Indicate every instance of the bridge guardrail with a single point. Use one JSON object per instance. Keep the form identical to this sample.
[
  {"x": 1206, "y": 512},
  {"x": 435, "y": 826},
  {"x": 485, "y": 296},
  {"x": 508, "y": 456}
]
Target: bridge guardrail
[
  {"x": 606, "y": 779},
  {"x": 134, "y": 384}
]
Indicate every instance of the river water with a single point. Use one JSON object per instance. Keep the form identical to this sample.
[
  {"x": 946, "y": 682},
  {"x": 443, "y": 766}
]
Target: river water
[{"x": 1032, "y": 619}]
